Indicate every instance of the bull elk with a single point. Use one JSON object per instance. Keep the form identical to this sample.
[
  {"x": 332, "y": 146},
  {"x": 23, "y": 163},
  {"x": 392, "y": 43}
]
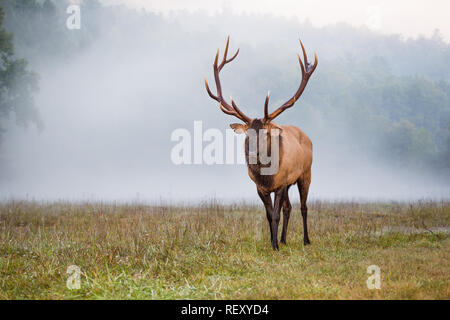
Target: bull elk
[{"x": 294, "y": 149}]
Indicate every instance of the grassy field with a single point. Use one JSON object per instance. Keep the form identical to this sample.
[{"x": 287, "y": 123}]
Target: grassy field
[{"x": 214, "y": 251}]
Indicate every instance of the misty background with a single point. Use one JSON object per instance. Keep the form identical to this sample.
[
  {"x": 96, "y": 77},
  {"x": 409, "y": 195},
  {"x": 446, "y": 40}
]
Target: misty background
[{"x": 88, "y": 114}]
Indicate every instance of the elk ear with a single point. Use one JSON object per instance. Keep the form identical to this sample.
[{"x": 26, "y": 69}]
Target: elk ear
[{"x": 238, "y": 127}]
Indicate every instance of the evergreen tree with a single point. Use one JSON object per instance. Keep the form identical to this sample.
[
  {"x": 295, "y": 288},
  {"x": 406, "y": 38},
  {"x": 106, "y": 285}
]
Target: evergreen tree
[{"x": 17, "y": 84}]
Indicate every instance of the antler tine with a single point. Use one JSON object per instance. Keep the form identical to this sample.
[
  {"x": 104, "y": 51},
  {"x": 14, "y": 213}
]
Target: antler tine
[
  {"x": 305, "y": 57},
  {"x": 225, "y": 54},
  {"x": 224, "y": 106},
  {"x": 232, "y": 58},
  {"x": 230, "y": 112},
  {"x": 209, "y": 91},
  {"x": 234, "y": 112},
  {"x": 315, "y": 62},
  {"x": 226, "y": 49},
  {"x": 307, "y": 71},
  {"x": 266, "y": 107},
  {"x": 224, "y": 60},
  {"x": 242, "y": 115},
  {"x": 301, "y": 65},
  {"x": 217, "y": 79}
]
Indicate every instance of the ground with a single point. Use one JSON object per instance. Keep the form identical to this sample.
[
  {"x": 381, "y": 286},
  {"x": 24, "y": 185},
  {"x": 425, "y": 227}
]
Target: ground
[{"x": 213, "y": 251}]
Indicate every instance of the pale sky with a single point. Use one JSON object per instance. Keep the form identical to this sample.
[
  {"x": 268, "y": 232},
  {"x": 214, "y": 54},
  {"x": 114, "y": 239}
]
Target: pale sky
[{"x": 410, "y": 18}]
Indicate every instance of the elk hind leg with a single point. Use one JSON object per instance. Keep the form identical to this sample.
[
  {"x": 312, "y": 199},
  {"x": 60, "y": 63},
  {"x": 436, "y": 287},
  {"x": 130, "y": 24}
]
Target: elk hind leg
[
  {"x": 286, "y": 214},
  {"x": 303, "y": 188}
]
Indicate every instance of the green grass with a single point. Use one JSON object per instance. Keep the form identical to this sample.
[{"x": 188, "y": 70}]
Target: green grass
[{"x": 212, "y": 251}]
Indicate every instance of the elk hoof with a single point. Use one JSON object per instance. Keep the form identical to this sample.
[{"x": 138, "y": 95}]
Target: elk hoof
[
  {"x": 283, "y": 241},
  {"x": 275, "y": 246},
  {"x": 306, "y": 242}
]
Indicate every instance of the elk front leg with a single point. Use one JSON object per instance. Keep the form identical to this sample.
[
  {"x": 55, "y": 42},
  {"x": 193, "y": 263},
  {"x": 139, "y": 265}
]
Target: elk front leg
[
  {"x": 276, "y": 217},
  {"x": 286, "y": 214},
  {"x": 267, "y": 200}
]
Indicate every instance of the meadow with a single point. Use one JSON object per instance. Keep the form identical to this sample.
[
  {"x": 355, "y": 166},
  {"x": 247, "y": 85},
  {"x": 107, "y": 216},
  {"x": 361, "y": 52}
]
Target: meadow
[{"x": 217, "y": 251}]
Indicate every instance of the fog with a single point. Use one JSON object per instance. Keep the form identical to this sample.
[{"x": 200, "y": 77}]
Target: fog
[
  {"x": 417, "y": 16},
  {"x": 109, "y": 110}
]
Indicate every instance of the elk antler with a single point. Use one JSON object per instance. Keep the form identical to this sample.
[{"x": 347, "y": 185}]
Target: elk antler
[
  {"x": 224, "y": 106},
  {"x": 306, "y": 74}
]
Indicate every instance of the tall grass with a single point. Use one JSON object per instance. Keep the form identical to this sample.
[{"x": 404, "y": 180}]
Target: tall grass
[{"x": 213, "y": 250}]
